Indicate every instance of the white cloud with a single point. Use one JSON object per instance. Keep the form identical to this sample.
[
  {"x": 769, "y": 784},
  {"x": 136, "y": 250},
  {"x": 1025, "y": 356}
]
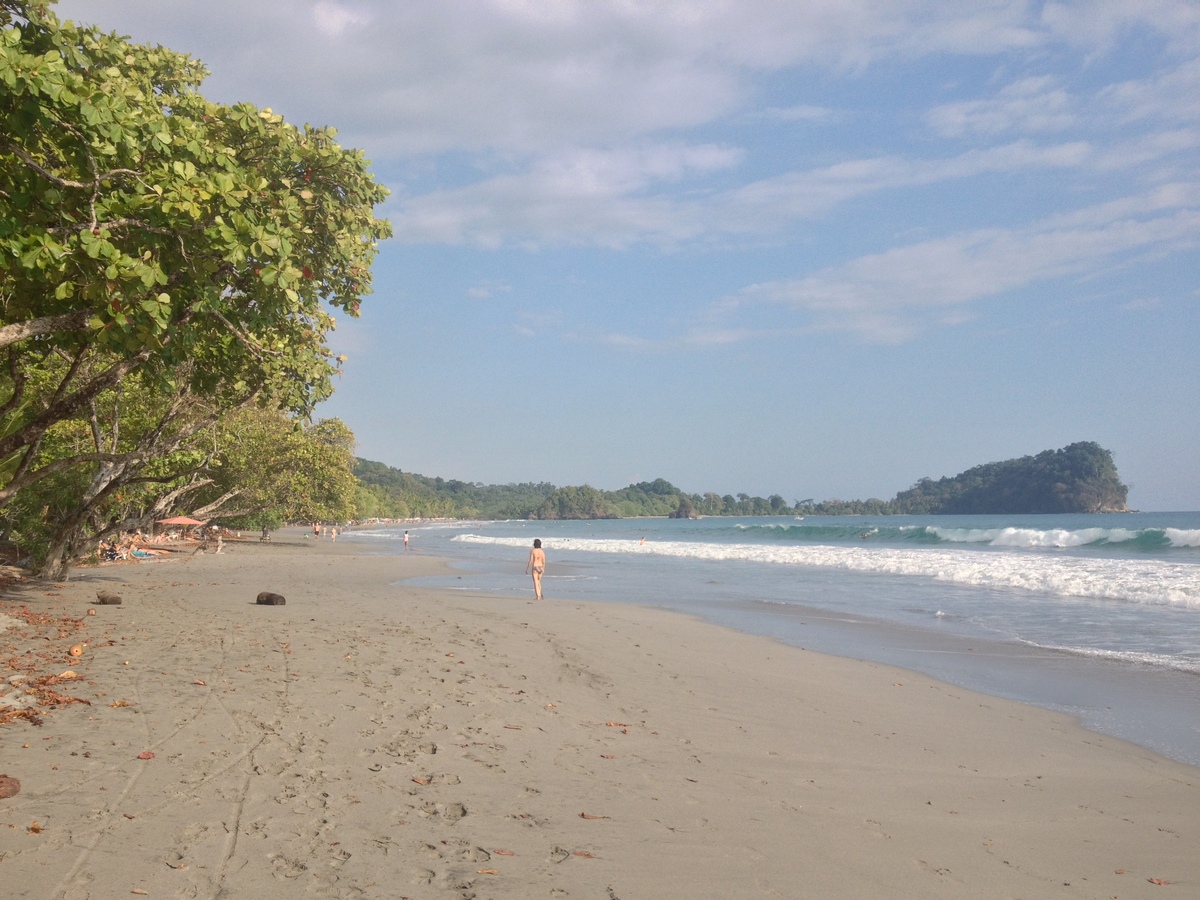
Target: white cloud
[
  {"x": 583, "y": 196},
  {"x": 1098, "y": 24},
  {"x": 583, "y": 106},
  {"x": 428, "y": 76},
  {"x": 888, "y": 297},
  {"x": 616, "y": 198},
  {"x": 336, "y": 18},
  {"x": 486, "y": 290},
  {"x": 1029, "y": 105},
  {"x": 772, "y": 202},
  {"x": 803, "y": 112},
  {"x": 1172, "y": 96}
]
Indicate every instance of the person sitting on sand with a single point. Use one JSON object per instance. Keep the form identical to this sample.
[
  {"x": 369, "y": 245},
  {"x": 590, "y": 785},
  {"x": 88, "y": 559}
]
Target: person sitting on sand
[{"x": 537, "y": 561}]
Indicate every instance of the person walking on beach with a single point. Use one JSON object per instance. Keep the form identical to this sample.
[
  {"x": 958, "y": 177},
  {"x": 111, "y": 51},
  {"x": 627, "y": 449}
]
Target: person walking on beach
[
  {"x": 537, "y": 562},
  {"x": 406, "y": 542}
]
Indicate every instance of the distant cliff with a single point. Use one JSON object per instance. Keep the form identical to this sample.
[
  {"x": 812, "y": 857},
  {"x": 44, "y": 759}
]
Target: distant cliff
[{"x": 1080, "y": 478}]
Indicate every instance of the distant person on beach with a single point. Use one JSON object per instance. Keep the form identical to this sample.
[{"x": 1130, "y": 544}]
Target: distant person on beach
[
  {"x": 316, "y": 532},
  {"x": 333, "y": 533},
  {"x": 537, "y": 562},
  {"x": 406, "y": 542}
]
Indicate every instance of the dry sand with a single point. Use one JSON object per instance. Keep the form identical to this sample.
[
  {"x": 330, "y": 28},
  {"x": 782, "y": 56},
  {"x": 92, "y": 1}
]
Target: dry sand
[{"x": 380, "y": 741}]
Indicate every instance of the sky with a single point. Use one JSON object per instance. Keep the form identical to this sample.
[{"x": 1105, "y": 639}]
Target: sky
[{"x": 818, "y": 248}]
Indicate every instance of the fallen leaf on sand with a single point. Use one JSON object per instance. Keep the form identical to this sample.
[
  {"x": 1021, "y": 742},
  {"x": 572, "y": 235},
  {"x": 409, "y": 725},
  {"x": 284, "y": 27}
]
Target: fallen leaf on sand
[
  {"x": 504, "y": 853},
  {"x": 117, "y": 704},
  {"x": 607, "y": 756},
  {"x": 421, "y": 780},
  {"x": 200, "y": 681},
  {"x": 145, "y": 754},
  {"x": 9, "y": 787},
  {"x": 1158, "y": 881},
  {"x": 551, "y": 706},
  {"x": 513, "y": 727},
  {"x": 129, "y": 815},
  {"x": 36, "y": 828},
  {"x": 584, "y": 815},
  {"x": 1119, "y": 872},
  {"x": 488, "y": 871},
  {"x": 617, "y": 724},
  {"x": 584, "y": 854},
  {"x": 139, "y": 891}
]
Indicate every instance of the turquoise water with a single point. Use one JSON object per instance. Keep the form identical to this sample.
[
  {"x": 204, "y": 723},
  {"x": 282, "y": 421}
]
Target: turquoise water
[{"x": 1097, "y": 616}]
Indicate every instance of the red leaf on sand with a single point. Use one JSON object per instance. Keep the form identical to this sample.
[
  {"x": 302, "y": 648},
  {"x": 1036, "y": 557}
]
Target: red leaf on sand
[
  {"x": 1158, "y": 881},
  {"x": 200, "y": 682},
  {"x": 504, "y": 853},
  {"x": 421, "y": 780},
  {"x": 584, "y": 854},
  {"x": 145, "y": 754}
]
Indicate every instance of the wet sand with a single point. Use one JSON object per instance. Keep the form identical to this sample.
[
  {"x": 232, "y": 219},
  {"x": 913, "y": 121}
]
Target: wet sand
[{"x": 381, "y": 741}]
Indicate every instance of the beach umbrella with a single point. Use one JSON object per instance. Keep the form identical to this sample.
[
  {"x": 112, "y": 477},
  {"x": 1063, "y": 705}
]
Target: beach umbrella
[{"x": 179, "y": 520}]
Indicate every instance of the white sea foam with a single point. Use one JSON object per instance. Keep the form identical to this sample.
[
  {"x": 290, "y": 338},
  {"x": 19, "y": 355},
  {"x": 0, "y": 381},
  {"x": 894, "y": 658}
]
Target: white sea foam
[
  {"x": 1142, "y": 581},
  {"x": 1183, "y": 537},
  {"x": 1182, "y": 664},
  {"x": 1034, "y": 538}
]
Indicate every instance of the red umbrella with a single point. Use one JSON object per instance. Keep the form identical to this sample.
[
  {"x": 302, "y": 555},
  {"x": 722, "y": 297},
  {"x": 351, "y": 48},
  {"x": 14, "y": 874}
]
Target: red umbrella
[{"x": 179, "y": 520}]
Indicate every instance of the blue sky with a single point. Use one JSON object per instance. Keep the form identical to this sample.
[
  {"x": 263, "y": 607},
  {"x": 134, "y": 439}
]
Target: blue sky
[{"x": 820, "y": 248}]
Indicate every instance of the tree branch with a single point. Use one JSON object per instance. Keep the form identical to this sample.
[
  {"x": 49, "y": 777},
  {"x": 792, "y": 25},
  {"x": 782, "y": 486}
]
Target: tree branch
[{"x": 20, "y": 331}]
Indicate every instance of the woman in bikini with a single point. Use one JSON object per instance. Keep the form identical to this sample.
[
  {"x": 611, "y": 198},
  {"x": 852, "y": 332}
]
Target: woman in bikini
[{"x": 537, "y": 562}]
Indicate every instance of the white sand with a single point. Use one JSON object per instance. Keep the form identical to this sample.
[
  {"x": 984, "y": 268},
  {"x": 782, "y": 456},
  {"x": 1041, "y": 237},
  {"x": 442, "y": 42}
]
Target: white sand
[{"x": 374, "y": 741}]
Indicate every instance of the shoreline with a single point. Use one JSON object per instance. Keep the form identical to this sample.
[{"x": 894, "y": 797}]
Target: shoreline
[
  {"x": 372, "y": 739},
  {"x": 878, "y": 617}
]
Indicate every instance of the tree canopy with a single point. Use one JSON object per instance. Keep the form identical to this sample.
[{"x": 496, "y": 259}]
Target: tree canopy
[
  {"x": 1079, "y": 478},
  {"x": 150, "y": 236}
]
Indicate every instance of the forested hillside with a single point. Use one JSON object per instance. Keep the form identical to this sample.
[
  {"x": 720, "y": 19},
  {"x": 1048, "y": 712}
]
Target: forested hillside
[{"x": 1079, "y": 478}]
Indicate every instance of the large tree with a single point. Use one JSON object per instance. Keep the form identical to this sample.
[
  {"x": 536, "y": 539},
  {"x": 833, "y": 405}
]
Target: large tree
[
  {"x": 140, "y": 219},
  {"x": 144, "y": 228}
]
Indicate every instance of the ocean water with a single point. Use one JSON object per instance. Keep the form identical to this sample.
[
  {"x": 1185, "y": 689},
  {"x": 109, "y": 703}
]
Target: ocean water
[{"x": 1097, "y": 616}]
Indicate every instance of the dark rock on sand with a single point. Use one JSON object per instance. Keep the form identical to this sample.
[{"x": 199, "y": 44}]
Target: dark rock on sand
[{"x": 266, "y": 598}]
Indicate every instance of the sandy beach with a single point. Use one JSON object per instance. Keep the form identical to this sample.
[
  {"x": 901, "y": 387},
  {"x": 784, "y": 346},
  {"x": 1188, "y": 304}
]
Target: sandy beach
[{"x": 373, "y": 740}]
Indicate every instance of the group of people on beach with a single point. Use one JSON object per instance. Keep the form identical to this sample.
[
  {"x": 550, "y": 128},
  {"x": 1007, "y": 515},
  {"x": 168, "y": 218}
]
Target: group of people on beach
[{"x": 319, "y": 528}]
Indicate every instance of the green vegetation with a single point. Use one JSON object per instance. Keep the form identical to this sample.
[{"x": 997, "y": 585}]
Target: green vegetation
[
  {"x": 167, "y": 264},
  {"x": 1078, "y": 478}
]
